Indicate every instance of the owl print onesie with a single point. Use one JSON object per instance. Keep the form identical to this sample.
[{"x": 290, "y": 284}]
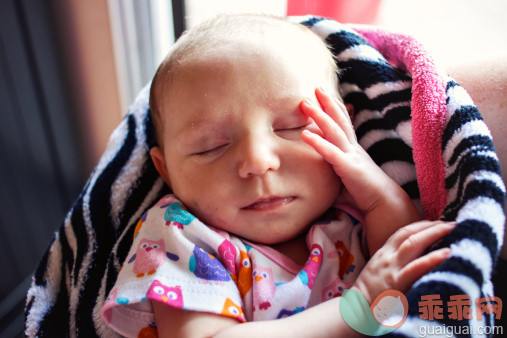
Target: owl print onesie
[{"x": 177, "y": 260}]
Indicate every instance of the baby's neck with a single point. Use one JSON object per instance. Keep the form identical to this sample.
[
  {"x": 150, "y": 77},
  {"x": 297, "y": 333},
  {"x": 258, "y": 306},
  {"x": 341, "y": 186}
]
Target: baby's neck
[{"x": 295, "y": 249}]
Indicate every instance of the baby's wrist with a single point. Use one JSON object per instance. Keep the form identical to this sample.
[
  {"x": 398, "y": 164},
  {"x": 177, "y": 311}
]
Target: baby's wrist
[
  {"x": 397, "y": 203},
  {"x": 360, "y": 287}
]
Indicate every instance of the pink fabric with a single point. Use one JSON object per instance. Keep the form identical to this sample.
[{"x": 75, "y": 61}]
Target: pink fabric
[
  {"x": 346, "y": 11},
  {"x": 276, "y": 256},
  {"x": 428, "y": 112}
]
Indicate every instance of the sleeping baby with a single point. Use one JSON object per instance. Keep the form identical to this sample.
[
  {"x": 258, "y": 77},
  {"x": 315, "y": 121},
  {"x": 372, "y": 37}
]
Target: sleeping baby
[{"x": 276, "y": 209}]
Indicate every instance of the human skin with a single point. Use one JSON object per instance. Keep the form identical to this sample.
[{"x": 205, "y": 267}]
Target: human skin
[{"x": 236, "y": 157}]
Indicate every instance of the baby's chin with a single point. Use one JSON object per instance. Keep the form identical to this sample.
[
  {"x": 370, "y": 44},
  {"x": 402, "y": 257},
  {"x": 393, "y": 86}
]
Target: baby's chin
[
  {"x": 282, "y": 239},
  {"x": 269, "y": 233}
]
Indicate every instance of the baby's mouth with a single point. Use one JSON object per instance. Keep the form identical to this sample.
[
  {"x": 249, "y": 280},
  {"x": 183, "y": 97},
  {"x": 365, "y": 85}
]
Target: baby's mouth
[{"x": 269, "y": 203}]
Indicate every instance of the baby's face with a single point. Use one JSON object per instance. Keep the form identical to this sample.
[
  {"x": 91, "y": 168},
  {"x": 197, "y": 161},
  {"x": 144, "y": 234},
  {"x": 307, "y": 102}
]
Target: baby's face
[{"x": 233, "y": 148}]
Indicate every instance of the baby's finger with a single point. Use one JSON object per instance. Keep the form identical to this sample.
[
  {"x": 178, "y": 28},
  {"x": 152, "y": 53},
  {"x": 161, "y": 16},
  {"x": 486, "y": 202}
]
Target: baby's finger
[
  {"x": 331, "y": 130},
  {"x": 418, "y": 242},
  {"x": 332, "y": 154},
  {"x": 416, "y": 269},
  {"x": 337, "y": 111},
  {"x": 402, "y": 234}
]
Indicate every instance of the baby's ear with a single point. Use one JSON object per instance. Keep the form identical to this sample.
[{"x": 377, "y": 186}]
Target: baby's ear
[
  {"x": 159, "y": 161},
  {"x": 350, "y": 110}
]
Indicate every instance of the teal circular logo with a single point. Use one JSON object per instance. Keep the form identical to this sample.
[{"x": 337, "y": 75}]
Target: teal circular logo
[{"x": 386, "y": 314}]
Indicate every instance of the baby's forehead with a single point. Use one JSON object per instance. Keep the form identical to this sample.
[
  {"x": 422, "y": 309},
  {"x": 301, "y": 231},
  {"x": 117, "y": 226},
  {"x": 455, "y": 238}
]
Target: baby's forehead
[
  {"x": 264, "y": 33},
  {"x": 281, "y": 44},
  {"x": 286, "y": 49}
]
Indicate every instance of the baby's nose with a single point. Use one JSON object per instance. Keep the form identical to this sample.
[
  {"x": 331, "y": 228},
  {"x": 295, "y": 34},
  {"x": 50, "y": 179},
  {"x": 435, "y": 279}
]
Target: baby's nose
[{"x": 258, "y": 157}]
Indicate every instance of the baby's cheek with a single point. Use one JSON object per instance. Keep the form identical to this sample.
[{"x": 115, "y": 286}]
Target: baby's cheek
[
  {"x": 329, "y": 184},
  {"x": 209, "y": 211},
  {"x": 200, "y": 207}
]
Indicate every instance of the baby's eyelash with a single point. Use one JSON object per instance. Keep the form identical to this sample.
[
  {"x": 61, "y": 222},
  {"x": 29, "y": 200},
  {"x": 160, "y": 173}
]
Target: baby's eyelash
[
  {"x": 295, "y": 128},
  {"x": 210, "y": 151},
  {"x": 215, "y": 149}
]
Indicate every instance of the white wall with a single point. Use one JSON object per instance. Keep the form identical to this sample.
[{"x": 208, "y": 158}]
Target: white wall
[{"x": 453, "y": 31}]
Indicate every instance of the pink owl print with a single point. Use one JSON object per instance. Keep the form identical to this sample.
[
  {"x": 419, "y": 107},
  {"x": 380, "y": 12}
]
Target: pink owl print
[
  {"x": 165, "y": 201},
  {"x": 264, "y": 287},
  {"x": 335, "y": 289},
  {"x": 227, "y": 252},
  {"x": 165, "y": 294},
  {"x": 149, "y": 256},
  {"x": 312, "y": 266}
]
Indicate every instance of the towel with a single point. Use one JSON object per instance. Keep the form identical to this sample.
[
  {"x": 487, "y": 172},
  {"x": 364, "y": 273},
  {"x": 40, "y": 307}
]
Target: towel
[{"x": 416, "y": 123}]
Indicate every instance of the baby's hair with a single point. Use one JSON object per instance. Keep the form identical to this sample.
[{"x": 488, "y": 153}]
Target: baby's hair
[{"x": 222, "y": 32}]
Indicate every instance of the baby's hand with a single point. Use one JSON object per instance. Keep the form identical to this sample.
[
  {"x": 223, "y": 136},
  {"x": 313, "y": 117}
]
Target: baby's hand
[
  {"x": 364, "y": 180},
  {"x": 399, "y": 264}
]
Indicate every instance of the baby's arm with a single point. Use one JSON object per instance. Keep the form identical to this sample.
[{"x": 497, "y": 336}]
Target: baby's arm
[
  {"x": 323, "y": 320},
  {"x": 385, "y": 205},
  {"x": 396, "y": 265}
]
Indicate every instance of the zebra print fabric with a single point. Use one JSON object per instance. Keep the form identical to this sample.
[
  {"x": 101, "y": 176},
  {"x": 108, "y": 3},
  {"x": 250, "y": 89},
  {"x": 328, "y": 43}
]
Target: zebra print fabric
[{"x": 459, "y": 180}]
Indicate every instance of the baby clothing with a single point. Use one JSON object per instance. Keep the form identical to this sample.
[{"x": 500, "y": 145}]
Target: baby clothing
[{"x": 177, "y": 260}]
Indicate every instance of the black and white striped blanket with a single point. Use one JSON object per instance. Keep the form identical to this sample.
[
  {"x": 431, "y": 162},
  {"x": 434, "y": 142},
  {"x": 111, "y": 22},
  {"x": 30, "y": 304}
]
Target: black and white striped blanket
[{"x": 419, "y": 125}]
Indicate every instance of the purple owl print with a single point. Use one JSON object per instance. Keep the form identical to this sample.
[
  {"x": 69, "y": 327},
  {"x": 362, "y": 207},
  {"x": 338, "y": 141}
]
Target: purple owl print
[
  {"x": 207, "y": 267},
  {"x": 312, "y": 266},
  {"x": 264, "y": 287},
  {"x": 165, "y": 294},
  {"x": 149, "y": 256},
  {"x": 287, "y": 313}
]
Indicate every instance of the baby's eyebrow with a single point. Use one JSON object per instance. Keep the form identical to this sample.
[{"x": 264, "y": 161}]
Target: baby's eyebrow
[
  {"x": 198, "y": 126},
  {"x": 197, "y": 132},
  {"x": 201, "y": 127}
]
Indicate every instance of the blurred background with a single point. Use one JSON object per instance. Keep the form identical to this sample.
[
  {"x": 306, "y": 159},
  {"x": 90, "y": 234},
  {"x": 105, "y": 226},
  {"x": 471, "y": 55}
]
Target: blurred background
[{"x": 69, "y": 70}]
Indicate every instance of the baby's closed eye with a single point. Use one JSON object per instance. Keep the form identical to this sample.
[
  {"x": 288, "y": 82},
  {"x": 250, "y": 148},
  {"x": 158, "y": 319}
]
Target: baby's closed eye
[
  {"x": 292, "y": 128},
  {"x": 211, "y": 150},
  {"x": 297, "y": 128}
]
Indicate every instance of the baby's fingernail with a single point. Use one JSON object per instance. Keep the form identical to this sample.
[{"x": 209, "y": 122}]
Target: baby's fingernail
[
  {"x": 452, "y": 224},
  {"x": 307, "y": 102},
  {"x": 446, "y": 252},
  {"x": 322, "y": 90}
]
